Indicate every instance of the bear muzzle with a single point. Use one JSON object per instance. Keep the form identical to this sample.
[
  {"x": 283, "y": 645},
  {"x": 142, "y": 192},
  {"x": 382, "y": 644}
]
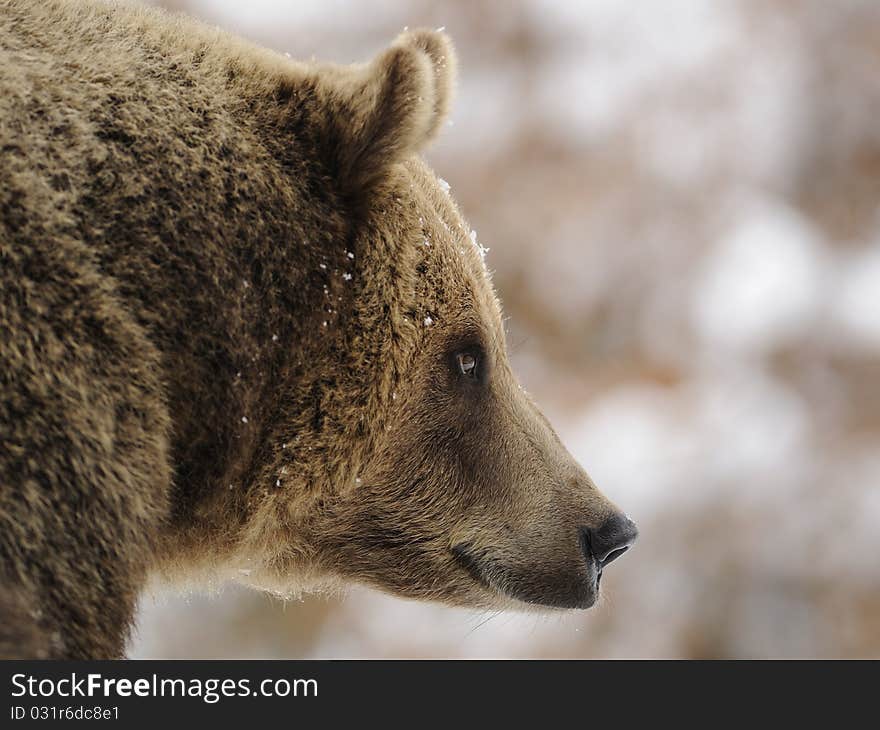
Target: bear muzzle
[{"x": 572, "y": 581}]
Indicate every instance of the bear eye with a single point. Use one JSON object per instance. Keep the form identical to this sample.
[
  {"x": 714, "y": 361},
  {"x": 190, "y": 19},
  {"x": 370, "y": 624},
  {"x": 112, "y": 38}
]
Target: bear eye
[{"x": 467, "y": 364}]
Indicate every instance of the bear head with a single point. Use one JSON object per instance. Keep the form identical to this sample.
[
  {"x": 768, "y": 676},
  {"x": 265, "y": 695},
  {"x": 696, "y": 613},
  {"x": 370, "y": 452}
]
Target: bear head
[{"x": 407, "y": 456}]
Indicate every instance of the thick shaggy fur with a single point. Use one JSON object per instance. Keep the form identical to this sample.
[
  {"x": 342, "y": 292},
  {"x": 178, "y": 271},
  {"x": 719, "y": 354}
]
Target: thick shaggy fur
[{"x": 229, "y": 296}]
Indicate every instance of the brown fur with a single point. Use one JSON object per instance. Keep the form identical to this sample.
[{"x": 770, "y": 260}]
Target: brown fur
[{"x": 231, "y": 301}]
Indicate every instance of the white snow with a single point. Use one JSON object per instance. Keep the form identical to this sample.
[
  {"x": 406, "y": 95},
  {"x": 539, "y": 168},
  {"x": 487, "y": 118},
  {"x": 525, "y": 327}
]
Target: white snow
[
  {"x": 643, "y": 445},
  {"x": 760, "y": 285},
  {"x": 856, "y": 308},
  {"x": 482, "y": 249}
]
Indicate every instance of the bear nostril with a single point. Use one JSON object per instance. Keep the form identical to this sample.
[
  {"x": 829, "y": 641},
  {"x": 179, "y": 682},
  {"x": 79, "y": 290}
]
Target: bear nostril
[
  {"x": 614, "y": 555},
  {"x": 611, "y": 540}
]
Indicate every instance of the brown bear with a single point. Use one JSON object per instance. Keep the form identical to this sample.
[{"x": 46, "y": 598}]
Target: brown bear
[{"x": 245, "y": 331}]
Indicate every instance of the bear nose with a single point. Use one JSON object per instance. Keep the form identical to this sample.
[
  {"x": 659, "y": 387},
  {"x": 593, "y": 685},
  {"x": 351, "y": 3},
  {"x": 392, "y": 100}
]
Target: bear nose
[{"x": 611, "y": 540}]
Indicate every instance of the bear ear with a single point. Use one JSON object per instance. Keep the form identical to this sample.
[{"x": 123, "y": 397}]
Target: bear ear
[{"x": 389, "y": 109}]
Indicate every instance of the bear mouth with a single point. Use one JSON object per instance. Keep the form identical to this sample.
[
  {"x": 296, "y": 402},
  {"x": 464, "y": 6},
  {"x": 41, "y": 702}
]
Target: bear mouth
[
  {"x": 558, "y": 591},
  {"x": 471, "y": 566}
]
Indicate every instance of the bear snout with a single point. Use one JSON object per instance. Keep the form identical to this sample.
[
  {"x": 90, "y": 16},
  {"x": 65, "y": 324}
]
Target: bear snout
[{"x": 568, "y": 580}]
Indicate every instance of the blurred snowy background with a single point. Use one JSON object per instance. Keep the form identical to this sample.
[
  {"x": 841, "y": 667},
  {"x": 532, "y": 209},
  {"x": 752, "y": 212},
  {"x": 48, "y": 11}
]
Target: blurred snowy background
[{"x": 682, "y": 201}]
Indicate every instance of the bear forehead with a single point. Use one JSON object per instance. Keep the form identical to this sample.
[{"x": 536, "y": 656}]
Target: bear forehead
[{"x": 451, "y": 278}]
